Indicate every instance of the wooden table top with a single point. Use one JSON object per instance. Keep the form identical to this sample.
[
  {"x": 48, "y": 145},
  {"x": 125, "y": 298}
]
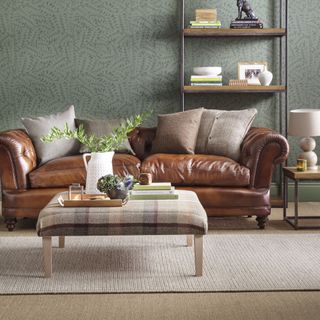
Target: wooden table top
[{"x": 291, "y": 172}]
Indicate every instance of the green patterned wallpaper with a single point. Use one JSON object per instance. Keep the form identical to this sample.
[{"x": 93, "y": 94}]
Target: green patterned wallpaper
[{"x": 115, "y": 58}]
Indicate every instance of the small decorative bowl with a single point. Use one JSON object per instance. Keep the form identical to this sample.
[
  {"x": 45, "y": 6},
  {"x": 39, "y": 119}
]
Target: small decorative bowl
[
  {"x": 118, "y": 193},
  {"x": 207, "y": 71}
]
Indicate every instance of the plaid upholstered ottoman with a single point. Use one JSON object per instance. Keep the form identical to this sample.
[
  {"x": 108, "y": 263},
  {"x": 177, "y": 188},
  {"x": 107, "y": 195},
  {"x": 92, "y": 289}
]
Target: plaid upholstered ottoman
[{"x": 184, "y": 216}]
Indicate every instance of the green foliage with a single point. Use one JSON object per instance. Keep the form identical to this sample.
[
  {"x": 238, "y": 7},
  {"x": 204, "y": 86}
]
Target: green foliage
[
  {"x": 107, "y": 183},
  {"x": 94, "y": 143},
  {"x": 111, "y": 182}
]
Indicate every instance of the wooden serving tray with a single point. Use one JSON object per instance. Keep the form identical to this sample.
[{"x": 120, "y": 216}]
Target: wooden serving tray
[{"x": 90, "y": 200}]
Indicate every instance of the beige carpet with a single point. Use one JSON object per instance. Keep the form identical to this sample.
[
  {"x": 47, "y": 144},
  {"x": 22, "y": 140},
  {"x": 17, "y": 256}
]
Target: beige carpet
[
  {"x": 259, "y": 305},
  {"x": 257, "y": 262}
]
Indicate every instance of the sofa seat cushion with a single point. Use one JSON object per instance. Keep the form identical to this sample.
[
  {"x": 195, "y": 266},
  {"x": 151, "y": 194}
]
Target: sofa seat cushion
[
  {"x": 64, "y": 171},
  {"x": 196, "y": 170}
]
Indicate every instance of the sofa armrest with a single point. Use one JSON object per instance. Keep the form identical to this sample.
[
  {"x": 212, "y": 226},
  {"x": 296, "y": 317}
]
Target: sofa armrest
[
  {"x": 17, "y": 159},
  {"x": 261, "y": 150}
]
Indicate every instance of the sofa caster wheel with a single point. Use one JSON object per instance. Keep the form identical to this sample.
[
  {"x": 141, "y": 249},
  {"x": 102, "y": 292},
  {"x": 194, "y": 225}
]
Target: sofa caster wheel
[
  {"x": 262, "y": 222},
  {"x": 11, "y": 223}
]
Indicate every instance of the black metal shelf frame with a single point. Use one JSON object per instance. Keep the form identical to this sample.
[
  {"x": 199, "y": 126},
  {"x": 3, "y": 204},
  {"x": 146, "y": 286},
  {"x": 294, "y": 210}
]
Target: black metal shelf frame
[{"x": 283, "y": 70}]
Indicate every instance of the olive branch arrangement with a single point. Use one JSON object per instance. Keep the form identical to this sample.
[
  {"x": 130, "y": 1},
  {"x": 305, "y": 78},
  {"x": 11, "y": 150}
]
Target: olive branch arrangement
[{"x": 98, "y": 144}]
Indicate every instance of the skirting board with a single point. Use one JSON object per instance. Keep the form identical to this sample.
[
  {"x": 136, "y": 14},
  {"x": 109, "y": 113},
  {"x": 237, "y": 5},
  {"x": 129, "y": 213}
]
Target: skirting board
[{"x": 308, "y": 191}]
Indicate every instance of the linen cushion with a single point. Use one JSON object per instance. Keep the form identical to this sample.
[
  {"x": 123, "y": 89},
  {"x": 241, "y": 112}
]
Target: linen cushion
[
  {"x": 62, "y": 172},
  {"x": 40, "y": 126},
  {"x": 196, "y": 170},
  {"x": 177, "y": 132},
  {"x": 222, "y": 132},
  {"x": 100, "y": 128}
]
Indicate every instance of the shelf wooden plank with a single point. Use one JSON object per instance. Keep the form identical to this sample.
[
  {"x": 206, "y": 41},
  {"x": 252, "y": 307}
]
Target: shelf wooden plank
[
  {"x": 234, "y": 89},
  {"x": 224, "y": 32}
]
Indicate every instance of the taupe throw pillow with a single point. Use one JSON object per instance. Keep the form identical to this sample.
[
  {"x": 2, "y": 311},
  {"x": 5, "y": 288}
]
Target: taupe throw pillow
[
  {"x": 222, "y": 132},
  {"x": 102, "y": 128},
  {"x": 177, "y": 132},
  {"x": 40, "y": 126}
]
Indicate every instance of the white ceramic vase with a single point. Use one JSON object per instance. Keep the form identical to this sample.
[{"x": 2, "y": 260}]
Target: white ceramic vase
[
  {"x": 98, "y": 166},
  {"x": 265, "y": 77}
]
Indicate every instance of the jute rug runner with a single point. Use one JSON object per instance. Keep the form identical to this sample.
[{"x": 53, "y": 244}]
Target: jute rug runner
[{"x": 259, "y": 262}]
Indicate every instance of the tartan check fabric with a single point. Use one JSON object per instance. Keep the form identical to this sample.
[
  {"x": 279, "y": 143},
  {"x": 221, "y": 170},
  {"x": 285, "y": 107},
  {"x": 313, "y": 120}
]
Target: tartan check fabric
[{"x": 138, "y": 217}]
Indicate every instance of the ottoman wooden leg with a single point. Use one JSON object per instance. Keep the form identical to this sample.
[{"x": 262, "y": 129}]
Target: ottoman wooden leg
[
  {"x": 189, "y": 240},
  {"x": 47, "y": 256},
  {"x": 61, "y": 241},
  {"x": 198, "y": 254}
]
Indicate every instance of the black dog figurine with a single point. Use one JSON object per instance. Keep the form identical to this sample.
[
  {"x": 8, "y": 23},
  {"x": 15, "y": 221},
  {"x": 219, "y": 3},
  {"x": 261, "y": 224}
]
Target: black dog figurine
[{"x": 244, "y": 6}]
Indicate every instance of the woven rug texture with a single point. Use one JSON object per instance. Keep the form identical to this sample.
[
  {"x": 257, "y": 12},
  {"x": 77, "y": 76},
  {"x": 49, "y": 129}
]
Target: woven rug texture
[{"x": 232, "y": 263}]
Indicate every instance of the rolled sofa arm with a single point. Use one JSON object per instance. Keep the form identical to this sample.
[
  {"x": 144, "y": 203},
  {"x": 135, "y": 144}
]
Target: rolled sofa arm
[
  {"x": 17, "y": 159},
  {"x": 261, "y": 150}
]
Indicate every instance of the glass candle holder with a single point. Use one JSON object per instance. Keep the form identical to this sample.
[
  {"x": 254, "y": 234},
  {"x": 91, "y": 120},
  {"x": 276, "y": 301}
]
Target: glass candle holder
[
  {"x": 302, "y": 165},
  {"x": 75, "y": 191}
]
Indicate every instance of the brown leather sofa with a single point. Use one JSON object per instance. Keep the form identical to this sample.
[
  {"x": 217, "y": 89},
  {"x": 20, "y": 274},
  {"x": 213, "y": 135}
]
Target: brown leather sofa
[{"x": 224, "y": 187}]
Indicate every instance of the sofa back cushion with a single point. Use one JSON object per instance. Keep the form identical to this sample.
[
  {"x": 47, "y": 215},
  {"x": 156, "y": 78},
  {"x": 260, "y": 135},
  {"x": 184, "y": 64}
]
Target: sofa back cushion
[
  {"x": 222, "y": 132},
  {"x": 40, "y": 126},
  {"x": 177, "y": 132},
  {"x": 100, "y": 128}
]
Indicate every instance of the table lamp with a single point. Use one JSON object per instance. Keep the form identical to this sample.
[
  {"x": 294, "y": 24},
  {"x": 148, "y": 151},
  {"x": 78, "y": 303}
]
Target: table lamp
[{"x": 306, "y": 123}]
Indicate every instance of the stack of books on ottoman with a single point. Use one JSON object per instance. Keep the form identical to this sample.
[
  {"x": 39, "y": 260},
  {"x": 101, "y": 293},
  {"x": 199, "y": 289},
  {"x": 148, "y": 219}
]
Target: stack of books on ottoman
[{"x": 153, "y": 191}]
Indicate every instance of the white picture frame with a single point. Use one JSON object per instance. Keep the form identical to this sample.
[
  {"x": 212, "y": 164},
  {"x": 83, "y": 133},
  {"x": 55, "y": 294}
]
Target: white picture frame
[{"x": 250, "y": 71}]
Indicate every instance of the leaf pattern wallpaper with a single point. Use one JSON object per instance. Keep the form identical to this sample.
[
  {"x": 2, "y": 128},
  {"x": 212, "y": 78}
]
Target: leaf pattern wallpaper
[{"x": 116, "y": 58}]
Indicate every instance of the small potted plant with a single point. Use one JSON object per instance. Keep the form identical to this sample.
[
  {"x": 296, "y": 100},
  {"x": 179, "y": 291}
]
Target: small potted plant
[{"x": 114, "y": 186}]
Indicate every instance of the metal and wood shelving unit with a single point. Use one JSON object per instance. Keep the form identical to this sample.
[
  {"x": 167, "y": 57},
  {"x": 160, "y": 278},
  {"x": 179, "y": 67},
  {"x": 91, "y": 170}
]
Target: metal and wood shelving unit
[{"x": 279, "y": 32}]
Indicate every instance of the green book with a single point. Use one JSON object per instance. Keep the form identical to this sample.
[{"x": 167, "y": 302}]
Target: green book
[
  {"x": 153, "y": 186},
  {"x": 204, "y": 24},
  {"x": 172, "y": 196}
]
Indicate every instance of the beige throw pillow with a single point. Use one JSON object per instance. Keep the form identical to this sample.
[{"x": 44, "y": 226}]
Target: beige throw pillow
[
  {"x": 177, "y": 132},
  {"x": 222, "y": 132},
  {"x": 40, "y": 126}
]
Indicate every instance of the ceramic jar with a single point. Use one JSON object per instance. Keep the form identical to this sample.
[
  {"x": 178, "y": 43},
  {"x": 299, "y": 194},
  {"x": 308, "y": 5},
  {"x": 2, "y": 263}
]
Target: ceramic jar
[
  {"x": 98, "y": 166},
  {"x": 265, "y": 77}
]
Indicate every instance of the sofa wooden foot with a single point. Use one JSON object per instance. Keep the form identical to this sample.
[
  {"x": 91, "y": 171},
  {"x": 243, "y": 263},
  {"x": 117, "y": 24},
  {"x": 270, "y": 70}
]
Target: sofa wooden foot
[
  {"x": 262, "y": 220},
  {"x": 11, "y": 223}
]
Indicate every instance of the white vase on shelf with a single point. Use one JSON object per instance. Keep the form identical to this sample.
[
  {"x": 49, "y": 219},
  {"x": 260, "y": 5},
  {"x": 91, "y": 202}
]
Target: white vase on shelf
[{"x": 265, "y": 77}]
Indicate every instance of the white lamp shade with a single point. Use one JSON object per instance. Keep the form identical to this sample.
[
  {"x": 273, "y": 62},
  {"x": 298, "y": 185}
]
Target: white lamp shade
[{"x": 304, "y": 123}]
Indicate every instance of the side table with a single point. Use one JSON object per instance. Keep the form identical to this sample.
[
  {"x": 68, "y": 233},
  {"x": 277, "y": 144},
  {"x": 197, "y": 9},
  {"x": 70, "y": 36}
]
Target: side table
[{"x": 296, "y": 176}]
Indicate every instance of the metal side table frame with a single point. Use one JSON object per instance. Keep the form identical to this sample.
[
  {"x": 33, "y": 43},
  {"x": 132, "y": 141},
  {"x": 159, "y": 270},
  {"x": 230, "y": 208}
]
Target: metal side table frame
[{"x": 296, "y": 176}]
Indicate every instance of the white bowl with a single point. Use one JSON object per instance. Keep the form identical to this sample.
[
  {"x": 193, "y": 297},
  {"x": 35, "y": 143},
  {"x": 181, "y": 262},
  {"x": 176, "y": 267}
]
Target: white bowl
[{"x": 207, "y": 71}]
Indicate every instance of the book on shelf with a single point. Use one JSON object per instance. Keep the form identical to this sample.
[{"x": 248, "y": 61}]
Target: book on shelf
[
  {"x": 204, "y": 27},
  {"x": 206, "y": 78},
  {"x": 246, "y": 24},
  {"x": 142, "y": 192},
  {"x": 205, "y": 24},
  {"x": 172, "y": 196},
  {"x": 153, "y": 186},
  {"x": 207, "y": 84}
]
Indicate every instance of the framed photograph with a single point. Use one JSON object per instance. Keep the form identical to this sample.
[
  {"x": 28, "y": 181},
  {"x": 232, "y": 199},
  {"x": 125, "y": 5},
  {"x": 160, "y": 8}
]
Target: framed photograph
[{"x": 250, "y": 71}]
